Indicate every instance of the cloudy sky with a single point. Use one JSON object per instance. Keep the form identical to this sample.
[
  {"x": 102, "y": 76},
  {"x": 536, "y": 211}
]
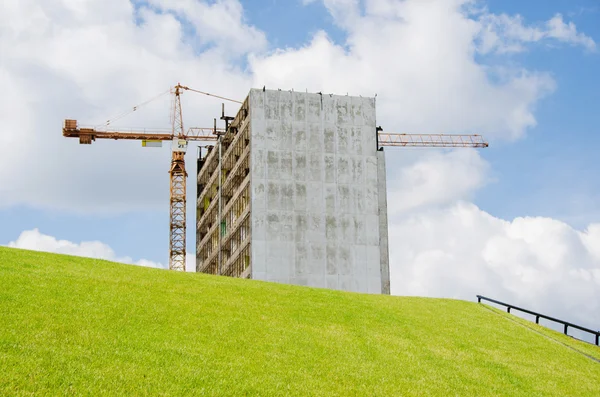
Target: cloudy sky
[{"x": 518, "y": 221}]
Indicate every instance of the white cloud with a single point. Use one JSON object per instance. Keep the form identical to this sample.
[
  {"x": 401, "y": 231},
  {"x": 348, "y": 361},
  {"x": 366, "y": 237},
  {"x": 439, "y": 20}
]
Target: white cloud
[
  {"x": 459, "y": 251},
  {"x": 34, "y": 240},
  {"x": 419, "y": 57},
  {"x": 436, "y": 178},
  {"x": 443, "y": 246},
  {"x": 92, "y": 60},
  {"x": 221, "y": 23},
  {"x": 567, "y": 33},
  {"x": 505, "y": 33}
]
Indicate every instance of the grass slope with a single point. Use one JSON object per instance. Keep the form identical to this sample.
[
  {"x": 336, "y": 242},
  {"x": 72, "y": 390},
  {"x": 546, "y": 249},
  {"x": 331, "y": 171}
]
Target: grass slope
[{"x": 87, "y": 327}]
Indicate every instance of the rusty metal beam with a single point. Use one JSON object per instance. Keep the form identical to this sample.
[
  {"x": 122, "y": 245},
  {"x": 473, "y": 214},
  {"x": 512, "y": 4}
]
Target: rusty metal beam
[
  {"x": 87, "y": 135},
  {"x": 431, "y": 140}
]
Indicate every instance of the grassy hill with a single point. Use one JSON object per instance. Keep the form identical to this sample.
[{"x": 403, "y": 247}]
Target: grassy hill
[{"x": 79, "y": 326}]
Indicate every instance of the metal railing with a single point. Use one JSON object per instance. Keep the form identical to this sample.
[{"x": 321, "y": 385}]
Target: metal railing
[{"x": 539, "y": 315}]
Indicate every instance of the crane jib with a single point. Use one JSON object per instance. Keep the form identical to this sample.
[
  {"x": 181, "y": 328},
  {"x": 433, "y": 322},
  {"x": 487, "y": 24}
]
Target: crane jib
[{"x": 87, "y": 135}]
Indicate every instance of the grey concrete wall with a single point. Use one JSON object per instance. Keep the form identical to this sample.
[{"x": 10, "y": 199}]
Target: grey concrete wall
[
  {"x": 383, "y": 224},
  {"x": 315, "y": 201}
]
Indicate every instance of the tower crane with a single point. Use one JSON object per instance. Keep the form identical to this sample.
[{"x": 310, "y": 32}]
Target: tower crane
[
  {"x": 177, "y": 172},
  {"x": 179, "y": 139}
]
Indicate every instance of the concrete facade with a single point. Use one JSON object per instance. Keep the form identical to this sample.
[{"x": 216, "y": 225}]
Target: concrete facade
[
  {"x": 383, "y": 224},
  {"x": 295, "y": 193},
  {"x": 318, "y": 207}
]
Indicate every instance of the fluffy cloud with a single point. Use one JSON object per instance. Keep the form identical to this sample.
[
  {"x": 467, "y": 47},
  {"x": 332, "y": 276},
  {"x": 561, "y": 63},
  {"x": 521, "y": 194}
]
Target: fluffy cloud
[
  {"x": 434, "y": 179},
  {"x": 92, "y": 60},
  {"x": 505, "y": 33},
  {"x": 34, "y": 240},
  {"x": 420, "y": 59},
  {"x": 459, "y": 251},
  {"x": 220, "y": 23},
  {"x": 443, "y": 246}
]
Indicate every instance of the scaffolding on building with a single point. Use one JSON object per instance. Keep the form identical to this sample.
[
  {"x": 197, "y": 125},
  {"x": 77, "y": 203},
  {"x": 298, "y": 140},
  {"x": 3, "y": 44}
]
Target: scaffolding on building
[{"x": 223, "y": 217}]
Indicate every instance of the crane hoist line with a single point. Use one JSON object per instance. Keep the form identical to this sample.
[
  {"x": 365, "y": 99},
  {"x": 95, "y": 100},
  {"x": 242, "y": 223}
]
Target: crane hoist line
[{"x": 179, "y": 138}]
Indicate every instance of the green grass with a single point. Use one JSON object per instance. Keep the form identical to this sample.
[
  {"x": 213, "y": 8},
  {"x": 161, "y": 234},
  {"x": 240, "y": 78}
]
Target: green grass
[{"x": 74, "y": 326}]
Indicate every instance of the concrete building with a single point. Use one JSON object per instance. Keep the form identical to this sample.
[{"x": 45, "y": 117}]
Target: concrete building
[{"x": 300, "y": 197}]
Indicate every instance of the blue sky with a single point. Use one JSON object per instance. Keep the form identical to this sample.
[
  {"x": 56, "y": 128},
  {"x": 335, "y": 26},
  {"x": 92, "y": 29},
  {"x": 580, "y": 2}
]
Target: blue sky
[
  {"x": 552, "y": 171},
  {"x": 549, "y": 172}
]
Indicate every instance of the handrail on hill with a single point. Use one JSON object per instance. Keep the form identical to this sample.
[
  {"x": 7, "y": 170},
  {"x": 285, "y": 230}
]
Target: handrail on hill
[{"x": 539, "y": 315}]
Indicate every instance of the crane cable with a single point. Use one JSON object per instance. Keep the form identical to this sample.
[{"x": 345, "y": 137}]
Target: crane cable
[
  {"x": 134, "y": 108},
  {"x": 206, "y": 93}
]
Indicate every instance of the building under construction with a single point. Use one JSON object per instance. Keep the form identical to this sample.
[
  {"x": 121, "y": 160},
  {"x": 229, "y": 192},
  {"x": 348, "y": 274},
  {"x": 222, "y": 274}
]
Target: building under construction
[{"x": 294, "y": 192}]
